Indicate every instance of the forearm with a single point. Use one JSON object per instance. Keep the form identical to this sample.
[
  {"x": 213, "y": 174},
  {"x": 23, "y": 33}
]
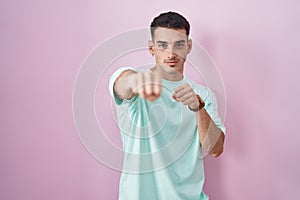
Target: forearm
[
  {"x": 123, "y": 85},
  {"x": 211, "y": 137}
]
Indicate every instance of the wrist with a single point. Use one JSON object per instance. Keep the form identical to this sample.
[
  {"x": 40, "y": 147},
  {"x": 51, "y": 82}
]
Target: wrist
[{"x": 201, "y": 104}]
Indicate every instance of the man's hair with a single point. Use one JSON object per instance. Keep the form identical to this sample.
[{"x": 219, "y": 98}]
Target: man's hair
[{"x": 170, "y": 20}]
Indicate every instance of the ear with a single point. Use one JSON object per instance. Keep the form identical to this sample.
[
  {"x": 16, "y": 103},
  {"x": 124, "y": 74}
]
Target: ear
[
  {"x": 190, "y": 44},
  {"x": 151, "y": 47}
]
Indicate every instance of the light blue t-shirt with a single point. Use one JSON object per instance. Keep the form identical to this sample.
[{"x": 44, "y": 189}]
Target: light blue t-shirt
[{"x": 162, "y": 150}]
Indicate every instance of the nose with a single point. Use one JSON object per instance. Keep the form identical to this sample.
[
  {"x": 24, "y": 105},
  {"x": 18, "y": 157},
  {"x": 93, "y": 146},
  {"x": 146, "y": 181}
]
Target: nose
[
  {"x": 170, "y": 52},
  {"x": 171, "y": 55}
]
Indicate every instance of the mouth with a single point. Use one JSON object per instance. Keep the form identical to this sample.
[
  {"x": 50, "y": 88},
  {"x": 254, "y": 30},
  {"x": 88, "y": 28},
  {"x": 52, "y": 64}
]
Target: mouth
[{"x": 171, "y": 62}]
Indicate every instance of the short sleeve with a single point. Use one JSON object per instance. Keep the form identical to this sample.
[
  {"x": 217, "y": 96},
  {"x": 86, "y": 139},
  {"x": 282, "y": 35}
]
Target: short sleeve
[
  {"x": 211, "y": 107},
  {"x": 112, "y": 80}
]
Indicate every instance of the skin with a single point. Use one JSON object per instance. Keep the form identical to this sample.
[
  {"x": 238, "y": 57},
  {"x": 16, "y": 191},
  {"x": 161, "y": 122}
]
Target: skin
[{"x": 170, "y": 48}]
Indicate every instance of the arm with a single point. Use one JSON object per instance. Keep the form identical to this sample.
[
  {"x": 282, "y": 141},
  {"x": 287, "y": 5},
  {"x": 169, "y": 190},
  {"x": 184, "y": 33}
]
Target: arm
[
  {"x": 211, "y": 137},
  {"x": 123, "y": 85}
]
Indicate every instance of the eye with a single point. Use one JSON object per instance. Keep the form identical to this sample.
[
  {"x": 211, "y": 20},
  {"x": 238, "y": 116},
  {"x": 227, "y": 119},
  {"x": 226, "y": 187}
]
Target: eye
[
  {"x": 162, "y": 45},
  {"x": 180, "y": 45}
]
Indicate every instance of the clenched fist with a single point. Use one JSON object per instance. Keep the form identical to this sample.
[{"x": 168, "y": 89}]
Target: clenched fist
[
  {"x": 147, "y": 84},
  {"x": 186, "y": 95}
]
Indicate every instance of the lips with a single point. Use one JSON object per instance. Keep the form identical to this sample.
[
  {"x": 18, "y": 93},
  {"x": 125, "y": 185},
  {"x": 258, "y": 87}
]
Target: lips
[{"x": 171, "y": 62}]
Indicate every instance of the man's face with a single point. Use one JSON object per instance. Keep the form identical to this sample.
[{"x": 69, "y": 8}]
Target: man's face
[{"x": 170, "y": 47}]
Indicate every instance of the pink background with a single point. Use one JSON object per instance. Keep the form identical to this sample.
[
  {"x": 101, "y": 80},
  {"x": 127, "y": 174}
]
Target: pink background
[{"x": 255, "y": 45}]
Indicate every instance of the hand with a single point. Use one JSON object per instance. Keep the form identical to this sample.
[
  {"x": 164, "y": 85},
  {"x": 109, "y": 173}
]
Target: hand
[
  {"x": 147, "y": 84},
  {"x": 186, "y": 95}
]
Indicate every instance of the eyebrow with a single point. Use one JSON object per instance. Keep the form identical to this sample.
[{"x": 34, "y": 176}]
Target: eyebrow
[
  {"x": 163, "y": 42},
  {"x": 180, "y": 41}
]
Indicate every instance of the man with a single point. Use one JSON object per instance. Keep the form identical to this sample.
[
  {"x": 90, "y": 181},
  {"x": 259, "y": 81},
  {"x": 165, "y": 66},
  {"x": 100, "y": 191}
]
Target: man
[{"x": 166, "y": 120}]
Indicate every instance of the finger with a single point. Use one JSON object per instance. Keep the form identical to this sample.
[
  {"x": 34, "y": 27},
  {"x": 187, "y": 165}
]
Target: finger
[
  {"x": 187, "y": 101},
  {"x": 186, "y": 97},
  {"x": 147, "y": 84},
  {"x": 174, "y": 97},
  {"x": 181, "y": 90},
  {"x": 184, "y": 93},
  {"x": 155, "y": 87},
  {"x": 156, "y": 84},
  {"x": 181, "y": 87},
  {"x": 139, "y": 84}
]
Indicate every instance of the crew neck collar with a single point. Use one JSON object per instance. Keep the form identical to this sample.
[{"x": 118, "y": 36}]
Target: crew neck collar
[{"x": 174, "y": 82}]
